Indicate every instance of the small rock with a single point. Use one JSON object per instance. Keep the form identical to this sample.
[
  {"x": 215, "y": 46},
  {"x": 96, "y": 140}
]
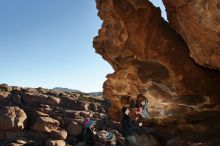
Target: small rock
[
  {"x": 18, "y": 142},
  {"x": 55, "y": 143}
]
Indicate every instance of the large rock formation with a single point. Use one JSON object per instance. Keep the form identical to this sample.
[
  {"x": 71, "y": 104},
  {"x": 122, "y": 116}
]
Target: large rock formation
[
  {"x": 147, "y": 54},
  {"x": 198, "y": 22}
]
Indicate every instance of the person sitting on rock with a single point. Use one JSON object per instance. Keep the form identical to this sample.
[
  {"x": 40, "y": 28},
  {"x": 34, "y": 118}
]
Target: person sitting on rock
[
  {"x": 130, "y": 103},
  {"x": 89, "y": 133},
  {"x": 106, "y": 138},
  {"x": 128, "y": 127},
  {"x": 142, "y": 106}
]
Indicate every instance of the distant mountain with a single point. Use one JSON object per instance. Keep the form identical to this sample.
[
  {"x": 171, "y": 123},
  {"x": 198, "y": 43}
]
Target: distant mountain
[
  {"x": 77, "y": 91},
  {"x": 95, "y": 93},
  {"x": 66, "y": 90}
]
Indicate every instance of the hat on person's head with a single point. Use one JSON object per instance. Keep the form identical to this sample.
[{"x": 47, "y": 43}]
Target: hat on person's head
[
  {"x": 105, "y": 135},
  {"x": 88, "y": 123},
  {"x": 109, "y": 136},
  {"x": 102, "y": 135}
]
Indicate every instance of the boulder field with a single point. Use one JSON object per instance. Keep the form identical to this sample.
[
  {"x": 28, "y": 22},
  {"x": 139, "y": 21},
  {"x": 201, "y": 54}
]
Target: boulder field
[{"x": 41, "y": 117}]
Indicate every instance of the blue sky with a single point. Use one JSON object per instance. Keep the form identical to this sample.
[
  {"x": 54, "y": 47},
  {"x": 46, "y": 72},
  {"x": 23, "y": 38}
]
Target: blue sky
[
  {"x": 48, "y": 43},
  {"x": 159, "y": 3}
]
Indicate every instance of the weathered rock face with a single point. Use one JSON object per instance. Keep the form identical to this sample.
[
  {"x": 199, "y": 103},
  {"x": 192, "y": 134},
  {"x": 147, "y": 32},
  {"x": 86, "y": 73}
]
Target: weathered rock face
[
  {"x": 45, "y": 117},
  {"x": 12, "y": 118},
  {"x": 74, "y": 128},
  {"x": 198, "y": 22},
  {"x": 146, "y": 53},
  {"x": 46, "y": 124},
  {"x": 36, "y": 98},
  {"x": 4, "y": 97}
]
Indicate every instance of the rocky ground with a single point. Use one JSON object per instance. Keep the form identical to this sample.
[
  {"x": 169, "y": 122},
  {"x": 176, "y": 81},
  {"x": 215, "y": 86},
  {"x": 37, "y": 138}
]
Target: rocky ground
[
  {"x": 46, "y": 117},
  {"x": 177, "y": 62}
]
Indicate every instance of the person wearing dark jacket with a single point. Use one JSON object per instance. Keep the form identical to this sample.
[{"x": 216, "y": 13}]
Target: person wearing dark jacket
[
  {"x": 89, "y": 133},
  {"x": 128, "y": 127}
]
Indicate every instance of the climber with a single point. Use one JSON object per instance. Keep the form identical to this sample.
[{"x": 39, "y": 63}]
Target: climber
[
  {"x": 89, "y": 133},
  {"x": 142, "y": 106},
  {"x": 130, "y": 103},
  {"x": 106, "y": 138},
  {"x": 128, "y": 127}
]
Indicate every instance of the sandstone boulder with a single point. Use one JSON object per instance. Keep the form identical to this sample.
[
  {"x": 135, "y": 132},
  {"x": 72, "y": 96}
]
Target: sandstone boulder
[
  {"x": 18, "y": 143},
  {"x": 5, "y": 87},
  {"x": 36, "y": 98},
  {"x": 8, "y": 135},
  {"x": 70, "y": 102},
  {"x": 16, "y": 99},
  {"x": 16, "y": 90},
  {"x": 30, "y": 90},
  {"x": 193, "y": 140},
  {"x": 94, "y": 106},
  {"x": 45, "y": 124},
  {"x": 55, "y": 143},
  {"x": 55, "y": 93},
  {"x": 4, "y": 97},
  {"x": 12, "y": 118},
  {"x": 41, "y": 114},
  {"x": 74, "y": 128},
  {"x": 15, "y": 144},
  {"x": 59, "y": 134}
]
